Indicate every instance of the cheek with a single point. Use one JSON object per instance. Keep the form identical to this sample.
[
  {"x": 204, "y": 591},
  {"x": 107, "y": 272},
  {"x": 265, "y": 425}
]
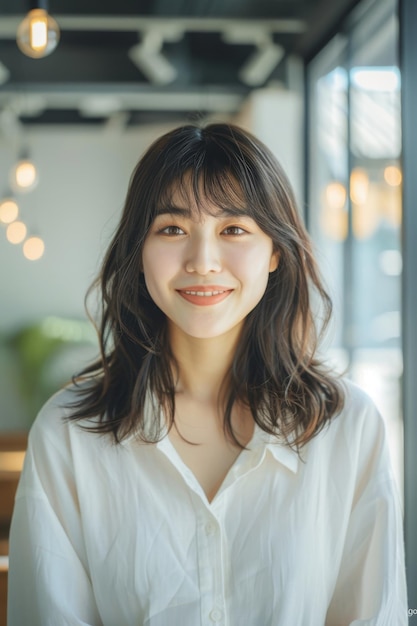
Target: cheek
[
  {"x": 253, "y": 263},
  {"x": 152, "y": 267},
  {"x": 159, "y": 265}
]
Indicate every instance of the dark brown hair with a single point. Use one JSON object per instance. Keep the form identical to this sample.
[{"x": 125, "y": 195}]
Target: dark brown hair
[{"x": 276, "y": 370}]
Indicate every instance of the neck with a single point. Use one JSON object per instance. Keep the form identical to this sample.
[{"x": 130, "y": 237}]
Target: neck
[{"x": 204, "y": 364}]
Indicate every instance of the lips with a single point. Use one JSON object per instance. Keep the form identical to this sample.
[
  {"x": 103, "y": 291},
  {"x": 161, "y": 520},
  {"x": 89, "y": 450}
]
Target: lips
[{"x": 204, "y": 296}]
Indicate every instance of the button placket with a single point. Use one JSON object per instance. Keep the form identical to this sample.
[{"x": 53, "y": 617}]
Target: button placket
[
  {"x": 216, "y": 615},
  {"x": 211, "y": 566},
  {"x": 210, "y": 528}
]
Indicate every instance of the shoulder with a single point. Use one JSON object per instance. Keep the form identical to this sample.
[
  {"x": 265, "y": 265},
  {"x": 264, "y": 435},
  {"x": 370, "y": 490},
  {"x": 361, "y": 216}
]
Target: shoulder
[
  {"x": 357, "y": 431},
  {"x": 356, "y": 437},
  {"x": 359, "y": 412},
  {"x": 53, "y": 423}
]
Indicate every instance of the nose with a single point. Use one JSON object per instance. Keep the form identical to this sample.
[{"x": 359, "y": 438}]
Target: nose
[{"x": 203, "y": 255}]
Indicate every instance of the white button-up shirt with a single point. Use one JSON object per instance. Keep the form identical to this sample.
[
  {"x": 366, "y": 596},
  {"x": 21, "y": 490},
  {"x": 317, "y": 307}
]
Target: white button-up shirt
[{"x": 123, "y": 535}]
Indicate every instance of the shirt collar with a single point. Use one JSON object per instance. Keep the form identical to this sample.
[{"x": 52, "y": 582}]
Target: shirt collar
[
  {"x": 280, "y": 451},
  {"x": 285, "y": 455}
]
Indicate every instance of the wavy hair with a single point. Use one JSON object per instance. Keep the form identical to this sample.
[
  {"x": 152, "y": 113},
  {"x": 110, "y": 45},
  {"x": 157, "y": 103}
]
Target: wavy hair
[{"x": 276, "y": 370}]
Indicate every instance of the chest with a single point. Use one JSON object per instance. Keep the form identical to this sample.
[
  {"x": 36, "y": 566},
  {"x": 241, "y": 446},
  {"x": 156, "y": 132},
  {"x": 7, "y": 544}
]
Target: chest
[
  {"x": 199, "y": 439},
  {"x": 255, "y": 539},
  {"x": 209, "y": 460}
]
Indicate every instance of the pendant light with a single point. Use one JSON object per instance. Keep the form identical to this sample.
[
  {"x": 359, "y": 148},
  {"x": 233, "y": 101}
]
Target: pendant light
[
  {"x": 38, "y": 34},
  {"x": 9, "y": 210},
  {"x": 16, "y": 232},
  {"x": 23, "y": 175},
  {"x": 33, "y": 248}
]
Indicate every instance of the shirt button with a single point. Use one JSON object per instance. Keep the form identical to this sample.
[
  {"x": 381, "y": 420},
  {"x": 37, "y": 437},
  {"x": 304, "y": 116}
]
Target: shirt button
[
  {"x": 210, "y": 528},
  {"x": 216, "y": 615}
]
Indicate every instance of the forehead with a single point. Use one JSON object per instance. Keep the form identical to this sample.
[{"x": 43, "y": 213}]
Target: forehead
[{"x": 198, "y": 195}]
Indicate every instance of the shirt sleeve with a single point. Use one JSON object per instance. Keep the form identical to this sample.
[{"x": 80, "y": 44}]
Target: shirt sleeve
[
  {"x": 48, "y": 582},
  {"x": 371, "y": 587}
]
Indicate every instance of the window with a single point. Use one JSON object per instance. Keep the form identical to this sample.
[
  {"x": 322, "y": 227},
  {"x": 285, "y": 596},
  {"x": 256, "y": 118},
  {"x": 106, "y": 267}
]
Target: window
[{"x": 355, "y": 203}]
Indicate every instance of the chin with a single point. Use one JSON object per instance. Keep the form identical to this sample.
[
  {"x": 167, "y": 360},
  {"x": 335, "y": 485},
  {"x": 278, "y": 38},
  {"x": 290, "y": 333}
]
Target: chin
[{"x": 206, "y": 332}]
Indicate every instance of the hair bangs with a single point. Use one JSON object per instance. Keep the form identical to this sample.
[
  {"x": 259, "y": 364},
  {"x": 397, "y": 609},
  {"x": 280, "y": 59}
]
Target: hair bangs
[{"x": 206, "y": 190}]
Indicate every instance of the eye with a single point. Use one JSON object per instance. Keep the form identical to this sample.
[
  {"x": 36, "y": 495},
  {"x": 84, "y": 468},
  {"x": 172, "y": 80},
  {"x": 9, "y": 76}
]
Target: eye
[
  {"x": 171, "y": 231},
  {"x": 234, "y": 230}
]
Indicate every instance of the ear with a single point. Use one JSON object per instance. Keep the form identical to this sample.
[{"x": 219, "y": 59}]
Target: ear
[{"x": 273, "y": 264}]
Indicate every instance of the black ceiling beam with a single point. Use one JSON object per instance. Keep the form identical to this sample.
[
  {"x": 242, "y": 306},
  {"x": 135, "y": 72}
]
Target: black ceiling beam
[
  {"x": 324, "y": 22},
  {"x": 38, "y": 4}
]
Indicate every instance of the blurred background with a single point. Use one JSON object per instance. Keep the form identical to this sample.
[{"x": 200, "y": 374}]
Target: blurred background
[{"x": 82, "y": 96}]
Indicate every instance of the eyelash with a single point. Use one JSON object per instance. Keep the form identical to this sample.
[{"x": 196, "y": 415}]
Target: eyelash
[
  {"x": 165, "y": 231},
  {"x": 242, "y": 230}
]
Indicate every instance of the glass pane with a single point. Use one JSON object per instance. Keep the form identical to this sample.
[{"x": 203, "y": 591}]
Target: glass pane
[
  {"x": 355, "y": 203},
  {"x": 375, "y": 194},
  {"x": 328, "y": 163}
]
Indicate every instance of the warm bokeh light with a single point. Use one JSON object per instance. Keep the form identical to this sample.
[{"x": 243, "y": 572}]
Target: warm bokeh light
[
  {"x": 8, "y": 211},
  {"x": 335, "y": 195},
  {"x": 393, "y": 176},
  {"x": 33, "y": 248},
  {"x": 38, "y": 34},
  {"x": 24, "y": 176},
  {"x": 16, "y": 232},
  {"x": 334, "y": 216},
  {"x": 334, "y": 223},
  {"x": 366, "y": 216},
  {"x": 391, "y": 206},
  {"x": 359, "y": 186}
]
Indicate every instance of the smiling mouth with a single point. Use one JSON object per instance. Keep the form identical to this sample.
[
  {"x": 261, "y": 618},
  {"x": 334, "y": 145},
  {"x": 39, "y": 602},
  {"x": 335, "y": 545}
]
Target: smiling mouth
[
  {"x": 205, "y": 294},
  {"x": 206, "y": 297}
]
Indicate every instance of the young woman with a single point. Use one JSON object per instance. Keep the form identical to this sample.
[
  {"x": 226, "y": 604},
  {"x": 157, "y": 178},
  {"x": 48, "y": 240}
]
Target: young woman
[{"x": 208, "y": 469}]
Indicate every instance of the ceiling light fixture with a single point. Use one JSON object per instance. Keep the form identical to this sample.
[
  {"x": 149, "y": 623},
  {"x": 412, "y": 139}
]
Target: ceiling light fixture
[
  {"x": 148, "y": 58},
  {"x": 101, "y": 105},
  {"x": 16, "y": 232},
  {"x": 33, "y": 248},
  {"x": 9, "y": 210},
  {"x": 23, "y": 176},
  {"x": 261, "y": 64},
  {"x": 38, "y": 34},
  {"x": 257, "y": 69}
]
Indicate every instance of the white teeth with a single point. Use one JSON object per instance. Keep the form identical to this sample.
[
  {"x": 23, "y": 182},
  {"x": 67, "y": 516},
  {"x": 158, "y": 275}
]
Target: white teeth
[{"x": 203, "y": 293}]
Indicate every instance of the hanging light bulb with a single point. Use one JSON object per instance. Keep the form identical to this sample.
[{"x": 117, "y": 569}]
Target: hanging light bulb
[
  {"x": 8, "y": 210},
  {"x": 38, "y": 34},
  {"x": 24, "y": 176},
  {"x": 33, "y": 248},
  {"x": 16, "y": 232}
]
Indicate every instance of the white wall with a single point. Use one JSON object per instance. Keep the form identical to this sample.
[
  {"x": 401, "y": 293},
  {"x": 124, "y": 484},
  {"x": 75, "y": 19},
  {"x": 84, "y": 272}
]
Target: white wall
[
  {"x": 275, "y": 115},
  {"x": 83, "y": 177}
]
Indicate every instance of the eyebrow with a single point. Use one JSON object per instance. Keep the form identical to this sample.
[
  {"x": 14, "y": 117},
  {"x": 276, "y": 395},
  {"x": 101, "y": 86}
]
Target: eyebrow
[{"x": 187, "y": 213}]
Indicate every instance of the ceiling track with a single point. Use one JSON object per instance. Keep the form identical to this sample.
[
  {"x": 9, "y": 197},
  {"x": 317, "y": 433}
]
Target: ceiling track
[{"x": 109, "y": 23}]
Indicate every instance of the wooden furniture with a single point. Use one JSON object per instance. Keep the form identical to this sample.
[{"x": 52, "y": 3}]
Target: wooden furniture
[
  {"x": 12, "y": 451},
  {"x": 3, "y": 594}
]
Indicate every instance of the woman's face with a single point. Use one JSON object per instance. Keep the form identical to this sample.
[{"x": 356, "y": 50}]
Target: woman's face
[{"x": 206, "y": 272}]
